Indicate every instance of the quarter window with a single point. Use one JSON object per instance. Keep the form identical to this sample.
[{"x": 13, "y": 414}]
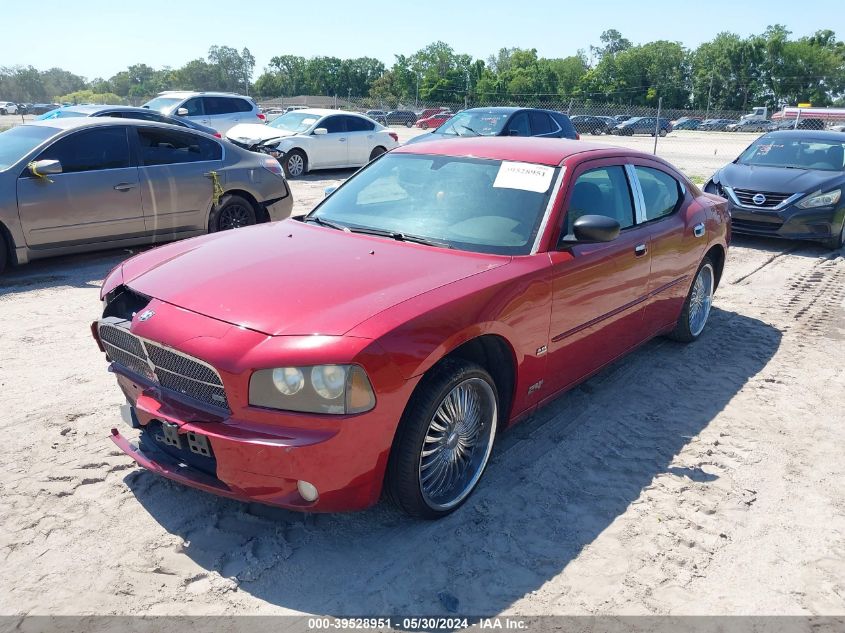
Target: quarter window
[
  {"x": 661, "y": 192},
  {"x": 103, "y": 148},
  {"x": 602, "y": 191},
  {"x": 164, "y": 147}
]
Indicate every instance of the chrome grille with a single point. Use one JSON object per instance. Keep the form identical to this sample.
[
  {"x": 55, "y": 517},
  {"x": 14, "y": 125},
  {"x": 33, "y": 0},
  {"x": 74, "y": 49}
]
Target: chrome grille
[
  {"x": 746, "y": 198},
  {"x": 172, "y": 370}
]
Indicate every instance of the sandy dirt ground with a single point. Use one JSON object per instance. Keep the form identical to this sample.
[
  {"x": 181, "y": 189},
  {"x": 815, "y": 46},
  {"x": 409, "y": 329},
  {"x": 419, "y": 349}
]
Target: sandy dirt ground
[{"x": 699, "y": 479}]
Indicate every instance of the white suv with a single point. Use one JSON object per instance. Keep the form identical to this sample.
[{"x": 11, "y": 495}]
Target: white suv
[
  {"x": 8, "y": 107},
  {"x": 220, "y": 110}
]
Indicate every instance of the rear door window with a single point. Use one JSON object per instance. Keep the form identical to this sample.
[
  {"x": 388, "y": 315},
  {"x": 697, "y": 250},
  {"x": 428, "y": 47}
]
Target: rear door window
[
  {"x": 519, "y": 125},
  {"x": 166, "y": 147},
  {"x": 661, "y": 192},
  {"x": 194, "y": 107},
  {"x": 540, "y": 123},
  {"x": 90, "y": 150},
  {"x": 357, "y": 124}
]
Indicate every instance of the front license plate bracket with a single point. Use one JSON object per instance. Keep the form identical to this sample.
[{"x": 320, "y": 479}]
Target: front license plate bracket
[
  {"x": 169, "y": 435},
  {"x": 198, "y": 444}
]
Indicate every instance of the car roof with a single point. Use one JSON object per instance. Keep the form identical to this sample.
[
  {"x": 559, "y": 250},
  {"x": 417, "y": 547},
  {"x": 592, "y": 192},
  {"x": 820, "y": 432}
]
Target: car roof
[
  {"x": 327, "y": 111},
  {"x": 93, "y": 109},
  {"x": 822, "y": 135},
  {"x": 544, "y": 151},
  {"x": 70, "y": 123},
  {"x": 210, "y": 93}
]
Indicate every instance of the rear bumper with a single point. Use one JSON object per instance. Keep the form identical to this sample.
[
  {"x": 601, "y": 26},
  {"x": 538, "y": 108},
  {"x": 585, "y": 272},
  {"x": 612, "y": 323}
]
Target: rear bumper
[{"x": 279, "y": 209}]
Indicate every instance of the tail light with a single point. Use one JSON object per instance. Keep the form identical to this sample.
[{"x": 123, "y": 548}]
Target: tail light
[
  {"x": 273, "y": 165},
  {"x": 394, "y": 136},
  {"x": 261, "y": 116},
  {"x": 218, "y": 135},
  {"x": 577, "y": 136}
]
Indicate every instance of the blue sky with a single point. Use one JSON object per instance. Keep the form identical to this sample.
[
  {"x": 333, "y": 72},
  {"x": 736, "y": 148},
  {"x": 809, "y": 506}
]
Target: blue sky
[{"x": 94, "y": 38}]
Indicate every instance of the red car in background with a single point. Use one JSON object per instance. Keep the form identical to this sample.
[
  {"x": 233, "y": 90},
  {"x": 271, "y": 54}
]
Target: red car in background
[
  {"x": 443, "y": 292},
  {"x": 434, "y": 121}
]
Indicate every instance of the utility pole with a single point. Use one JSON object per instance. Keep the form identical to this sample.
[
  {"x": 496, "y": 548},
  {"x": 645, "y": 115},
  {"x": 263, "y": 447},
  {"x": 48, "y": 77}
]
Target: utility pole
[
  {"x": 709, "y": 95},
  {"x": 417, "y": 98},
  {"x": 466, "y": 93},
  {"x": 657, "y": 124}
]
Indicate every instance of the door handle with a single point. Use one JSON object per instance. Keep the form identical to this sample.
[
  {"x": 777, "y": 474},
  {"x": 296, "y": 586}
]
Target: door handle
[
  {"x": 698, "y": 230},
  {"x": 640, "y": 250},
  {"x": 124, "y": 186},
  {"x": 342, "y": 140}
]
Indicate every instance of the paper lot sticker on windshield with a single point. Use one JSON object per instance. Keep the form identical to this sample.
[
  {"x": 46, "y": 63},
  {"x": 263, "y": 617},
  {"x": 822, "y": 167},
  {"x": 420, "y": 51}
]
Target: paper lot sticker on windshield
[{"x": 525, "y": 176}]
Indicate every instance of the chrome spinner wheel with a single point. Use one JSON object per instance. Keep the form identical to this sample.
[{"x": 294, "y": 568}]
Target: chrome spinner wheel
[
  {"x": 457, "y": 444},
  {"x": 701, "y": 299}
]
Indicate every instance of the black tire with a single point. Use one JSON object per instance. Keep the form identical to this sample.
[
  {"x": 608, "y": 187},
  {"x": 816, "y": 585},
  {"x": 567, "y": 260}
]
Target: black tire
[
  {"x": 3, "y": 111},
  {"x": 684, "y": 332},
  {"x": 663, "y": 132},
  {"x": 423, "y": 126},
  {"x": 404, "y": 479},
  {"x": 835, "y": 243},
  {"x": 4, "y": 253},
  {"x": 232, "y": 212},
  {"x": 295, "y": 163},
  {"x": 596, "y": 132},
  {"x": 409, "y": 123},
  {"x": 377, "y": 151}
]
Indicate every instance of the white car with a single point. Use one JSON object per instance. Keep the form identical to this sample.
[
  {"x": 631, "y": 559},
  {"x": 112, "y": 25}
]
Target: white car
[
  {"x": 8, "y": 107},
  {"x": 313, "y": 138},
  {"x": 218, "y": 110}
]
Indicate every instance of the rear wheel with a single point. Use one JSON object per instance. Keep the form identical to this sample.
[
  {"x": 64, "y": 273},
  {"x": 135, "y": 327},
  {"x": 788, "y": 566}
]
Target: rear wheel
[
  {"x": 423, "y": 126},
  {"x": 697, "y": 306},
  {"x": 409, "y": 123},
  {"x": 596, "y": 131},
  {"x": 233, "y": 212},
  {"x": 378, "y": 151},
  {"x": 663, "y": 132},
  {"x": 444, "y": 440},
  {"x": 295, "y": 163}
]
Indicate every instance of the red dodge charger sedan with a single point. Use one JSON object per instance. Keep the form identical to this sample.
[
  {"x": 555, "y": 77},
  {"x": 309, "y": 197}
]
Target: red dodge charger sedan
[{"x": 380, "y": 343}]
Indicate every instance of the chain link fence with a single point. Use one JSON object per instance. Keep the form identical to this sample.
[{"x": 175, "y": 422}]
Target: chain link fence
[{"x": 696, "y": 141}]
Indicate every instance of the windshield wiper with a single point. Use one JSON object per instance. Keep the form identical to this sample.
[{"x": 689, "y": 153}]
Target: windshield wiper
[
  {"x": 466, "y": 127},
  {"x": 328, "y": 223},
  {"x": 399, "y": 236}
]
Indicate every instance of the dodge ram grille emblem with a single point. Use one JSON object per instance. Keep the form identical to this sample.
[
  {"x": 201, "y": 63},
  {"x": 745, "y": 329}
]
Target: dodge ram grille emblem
[
  {"x": 146, "y": 315},
  {"x": 758, "y": 199}
]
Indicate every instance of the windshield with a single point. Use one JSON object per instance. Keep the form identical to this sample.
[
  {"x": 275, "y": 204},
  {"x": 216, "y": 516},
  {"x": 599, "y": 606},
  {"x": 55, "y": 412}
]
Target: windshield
[
  {"x": 19, "y": 141},
  {"x": 295, "y": 122},
  {"x": 162, "y": 104},
  {"x": 484, "y": 206},
  {"x": 478, "y": 123},
  {"x": 805, "y": 153}
]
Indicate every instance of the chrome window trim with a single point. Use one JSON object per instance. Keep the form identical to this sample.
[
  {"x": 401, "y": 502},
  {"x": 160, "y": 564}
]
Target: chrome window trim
[
  {"x": 547, "y": 215},
  {"x": 639, "y": 200}
]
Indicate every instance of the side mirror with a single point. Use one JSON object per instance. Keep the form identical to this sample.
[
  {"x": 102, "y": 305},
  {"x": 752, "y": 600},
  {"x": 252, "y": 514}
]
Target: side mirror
[
  {"x": 320, "y": 131},
  {"x": 182, "y": 112},
  {"x": 41, "y": 168},
  {"x": 595, "y": 228},
  {"x": 328, "y": 191}
]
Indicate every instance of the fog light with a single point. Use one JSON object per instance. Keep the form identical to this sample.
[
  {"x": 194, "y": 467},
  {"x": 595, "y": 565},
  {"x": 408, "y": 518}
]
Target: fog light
[{"x": 307, "y": 490}]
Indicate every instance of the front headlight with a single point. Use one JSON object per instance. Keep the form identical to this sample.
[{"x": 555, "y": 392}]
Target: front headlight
[
  {"x": 819, "y": 199},
  {"x": 336, "y": 389}
]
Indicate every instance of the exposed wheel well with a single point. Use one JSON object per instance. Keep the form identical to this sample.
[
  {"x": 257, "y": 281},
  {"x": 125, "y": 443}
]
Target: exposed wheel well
[
  {"x": 495, "y": 355},
  {"x": 261, "y": 213},
  {"x": 717, "y": 256}
]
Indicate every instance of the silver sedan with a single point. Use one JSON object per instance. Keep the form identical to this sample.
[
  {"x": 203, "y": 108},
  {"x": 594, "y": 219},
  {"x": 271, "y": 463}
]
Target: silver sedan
[{"x": 83, "y": 184}]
